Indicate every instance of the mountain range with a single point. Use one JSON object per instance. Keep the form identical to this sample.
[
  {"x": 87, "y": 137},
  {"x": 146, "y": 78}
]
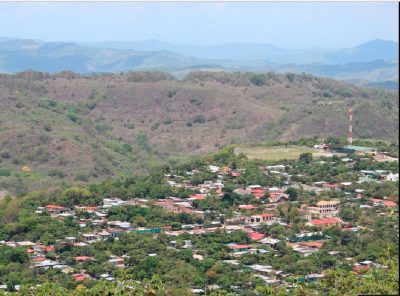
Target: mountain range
[{"x": 372, "y": 63}]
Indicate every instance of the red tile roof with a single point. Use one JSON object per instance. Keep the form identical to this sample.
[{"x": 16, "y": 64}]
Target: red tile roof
[
  {"x": 389, "y": 203},
  {"x": 360, "y": 268},
  {"x": 326, "y": 221},
  {"x": 198, "y": 196},
  {"x": 240, "y": 247},
  {"x": 49, "y": 249},
  {"x": 39, "y": 259},
  {"x": 256, "y": 236},
  {"x": 54, "y": 207},
  {"x": 312, "y": 244},
  {"x": 82, "y": 258},
  {"x": 247, "y": 207},
  {"x": 78, "y": 277}
]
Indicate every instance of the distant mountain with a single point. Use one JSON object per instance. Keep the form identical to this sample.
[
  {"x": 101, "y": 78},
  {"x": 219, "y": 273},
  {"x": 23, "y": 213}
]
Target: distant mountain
[
  {"x": 366, "y": 52},
  {"x": 372, "y": 50},
  {"x": 374, "y": 61},
  {"x": 224, "y": 51},
  {"x": 19, "y": 55}
]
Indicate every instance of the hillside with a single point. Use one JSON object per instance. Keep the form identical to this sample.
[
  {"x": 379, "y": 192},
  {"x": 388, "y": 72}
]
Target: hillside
[{"x": 82, "y": 128}]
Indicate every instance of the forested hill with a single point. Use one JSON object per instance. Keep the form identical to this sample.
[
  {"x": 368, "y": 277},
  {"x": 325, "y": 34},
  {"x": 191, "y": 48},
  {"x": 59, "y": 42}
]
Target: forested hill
[{"x": 73, "y": 127}]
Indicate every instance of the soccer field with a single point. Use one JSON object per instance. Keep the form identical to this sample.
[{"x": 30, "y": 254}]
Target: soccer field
[{"x": 276, "y": 153}]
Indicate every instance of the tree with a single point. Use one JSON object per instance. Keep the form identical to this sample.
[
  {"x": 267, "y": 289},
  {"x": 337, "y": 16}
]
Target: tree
[
  {"x": 306, "y": 157},
  {"x": 292, "y": 192}
]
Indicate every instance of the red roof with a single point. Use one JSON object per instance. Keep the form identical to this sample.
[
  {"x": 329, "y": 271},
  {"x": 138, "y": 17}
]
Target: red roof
[
  {"x": 256, "y": 236},
  {"x": 331, "y": 185},
  {"x": 39, "y": 259},
  {"x": 78, "y": 277},
  {"x": 257, "y": 189},
  {"x": 359, "y": 268},
  {"x": 235, "y": 174},
  {"x": 240, "y": 247},
  {"x": 247, "y": 207},
  {"x": 266, "y": 215},
  {"x": 30, "y": 251},
  {"x": 54, "y": 207},
  {"x": 49, "y": 249},
  {"x": 312, "y": 244},
  {"x": 82, "y": 258},
  {"x": 198, "y": 196},
  {"x": 389, "y": 203},
  {"x": 326, "y": 221}
]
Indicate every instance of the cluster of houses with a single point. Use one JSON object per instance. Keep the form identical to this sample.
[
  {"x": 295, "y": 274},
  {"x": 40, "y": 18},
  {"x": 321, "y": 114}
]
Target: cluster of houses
[{"x": 247, "y": 217}]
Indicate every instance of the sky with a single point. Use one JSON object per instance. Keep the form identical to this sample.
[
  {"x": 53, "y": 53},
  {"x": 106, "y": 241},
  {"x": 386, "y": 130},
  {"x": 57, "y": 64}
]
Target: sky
[{"x": 293, "y": 25}]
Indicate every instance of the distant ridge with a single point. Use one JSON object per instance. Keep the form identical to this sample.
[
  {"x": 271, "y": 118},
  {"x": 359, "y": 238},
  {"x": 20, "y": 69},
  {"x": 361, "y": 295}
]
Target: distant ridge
[{"x": 371, "y": 62}]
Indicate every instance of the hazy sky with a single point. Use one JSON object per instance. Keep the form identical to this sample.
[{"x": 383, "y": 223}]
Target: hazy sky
[{"x": 288, "y": 25}]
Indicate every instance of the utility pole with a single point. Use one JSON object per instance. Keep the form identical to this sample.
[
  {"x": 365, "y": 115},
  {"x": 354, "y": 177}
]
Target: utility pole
[{"x": 350, "y": 136}]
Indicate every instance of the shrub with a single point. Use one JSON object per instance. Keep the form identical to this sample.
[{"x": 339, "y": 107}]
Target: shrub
[
  {"x": 199, "y": 118},
  {"x": 257, "y": 79},
  {"x": 81, "y": 177},
  {"x": 56, "y": 173},
  {"x": 5, "y": 173}
]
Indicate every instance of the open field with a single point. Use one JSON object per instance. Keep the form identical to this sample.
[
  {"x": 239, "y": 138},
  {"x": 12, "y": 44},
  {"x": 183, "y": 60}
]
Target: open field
[{"x": 276, "y": 153}]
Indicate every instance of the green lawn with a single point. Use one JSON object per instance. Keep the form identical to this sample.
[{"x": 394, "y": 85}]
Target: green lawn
[{"x": 276, "y": 153}]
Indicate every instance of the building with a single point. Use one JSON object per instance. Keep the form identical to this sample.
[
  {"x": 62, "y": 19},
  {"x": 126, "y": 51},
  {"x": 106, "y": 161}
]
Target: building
[
  {"x": 328, "y": 208},
  {"x": 327, "y": 222},
  {"x": 260, "y": 218},
  {"x": 55, "y": 210}
]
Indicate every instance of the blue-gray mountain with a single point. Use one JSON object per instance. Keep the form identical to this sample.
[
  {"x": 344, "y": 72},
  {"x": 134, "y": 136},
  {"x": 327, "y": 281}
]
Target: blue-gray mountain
[{"x": 373, "y": 63}]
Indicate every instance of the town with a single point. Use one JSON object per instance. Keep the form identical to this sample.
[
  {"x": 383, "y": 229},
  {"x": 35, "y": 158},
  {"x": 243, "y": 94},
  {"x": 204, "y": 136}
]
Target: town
[{"x": 229, "y": 222}]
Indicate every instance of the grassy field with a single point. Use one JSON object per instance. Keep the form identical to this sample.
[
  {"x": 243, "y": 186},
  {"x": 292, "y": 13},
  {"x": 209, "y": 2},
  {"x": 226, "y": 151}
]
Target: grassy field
[{"x": 276, "y": 153}]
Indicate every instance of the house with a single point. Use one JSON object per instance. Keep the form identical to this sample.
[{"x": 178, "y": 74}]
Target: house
[
  {"x": 278, "y": 198},
  {"x": 256, "y": 190},
  {"x": 55, "y": 210},
  {"x": 79, "y": 259},
  {"x": 115, "y": 232},
  {"x": 117, "y": 261},
  {"x": 255, "y": 236},
  {"x": 213, "y": 168},
  {"x": 238, "y": 248},
  {"x": 193, "y": 197},
  {"x": 235, "y": 174},
  {"x": 325, "y": 208},
  {"x": 278, "y": 167},
  {"x": 270, "y": 241},
  {"x": 327, "y": 222},
  {"x": 384, "y": 203},
  {"x": 89, "y": 237},
  {"x": 104, "y": 235},
  {"x": 71, "y": 240},
  {"x": 80, "y": 277},
  {"x": 392, "y": 177},
  {"x": 261, "y": 269},
  {"x": 260, "y": 218},
  {"x": 275, "y": 191},
  {"x": 247, "y": 207},
  {"x": 89, "y": 209}
]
